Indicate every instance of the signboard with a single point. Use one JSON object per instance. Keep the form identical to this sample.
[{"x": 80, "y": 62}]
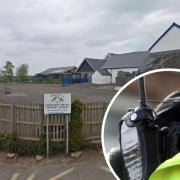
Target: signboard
[{"x": 57, "y": 103}]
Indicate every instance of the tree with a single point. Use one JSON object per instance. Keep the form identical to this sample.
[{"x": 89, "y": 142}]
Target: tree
[
  {"x": 1, "y": 78},
  {"x": 22, "y": 72},
  {"x": 8, "y": 73}
]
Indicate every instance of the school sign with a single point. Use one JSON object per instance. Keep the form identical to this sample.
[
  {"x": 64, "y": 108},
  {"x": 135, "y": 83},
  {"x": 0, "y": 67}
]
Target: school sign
[{"x": 57, "y": 103}]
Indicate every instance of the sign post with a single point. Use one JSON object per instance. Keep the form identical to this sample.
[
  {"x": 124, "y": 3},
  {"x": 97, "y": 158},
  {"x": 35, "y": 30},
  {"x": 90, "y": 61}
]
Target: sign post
[
  {"x": 57, "y": 103},
  {"x": 67, "y": 134},
  {"x": 47, "y": 136}
]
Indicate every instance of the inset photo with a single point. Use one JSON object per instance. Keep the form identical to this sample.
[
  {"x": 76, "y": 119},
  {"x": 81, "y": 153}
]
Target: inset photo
[{"x": 141, "y": 128}]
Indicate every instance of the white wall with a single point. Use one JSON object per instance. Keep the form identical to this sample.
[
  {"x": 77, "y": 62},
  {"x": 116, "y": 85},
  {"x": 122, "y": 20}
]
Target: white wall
[
  {"x": 97, "y": 78},
  {"x": 114, "y": 72},
  {"x": 171, "y": 41}
]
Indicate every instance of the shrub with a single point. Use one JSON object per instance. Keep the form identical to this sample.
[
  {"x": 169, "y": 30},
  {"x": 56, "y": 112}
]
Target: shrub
[
  {"x": 75, "y": 127},
  {"x": 11, "y": 143}
]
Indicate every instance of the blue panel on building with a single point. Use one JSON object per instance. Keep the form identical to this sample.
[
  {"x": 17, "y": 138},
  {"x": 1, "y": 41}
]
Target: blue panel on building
[
  {"x": 67, "y": 81},
  {"x": 84, "y": 80},
  {"x": 74, "y": 78}
]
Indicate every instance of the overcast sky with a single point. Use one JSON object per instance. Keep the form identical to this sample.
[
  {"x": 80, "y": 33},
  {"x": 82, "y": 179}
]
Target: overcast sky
[{"x": 52, "y": 33}]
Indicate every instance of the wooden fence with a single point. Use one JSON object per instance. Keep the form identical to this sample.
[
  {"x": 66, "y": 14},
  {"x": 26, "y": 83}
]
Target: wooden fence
[{"x": 29, "y": 122}]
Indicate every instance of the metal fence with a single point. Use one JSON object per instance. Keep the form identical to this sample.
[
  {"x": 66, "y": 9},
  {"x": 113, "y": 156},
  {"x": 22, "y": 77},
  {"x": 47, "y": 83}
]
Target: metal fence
[{"x": 29, "y": 122}]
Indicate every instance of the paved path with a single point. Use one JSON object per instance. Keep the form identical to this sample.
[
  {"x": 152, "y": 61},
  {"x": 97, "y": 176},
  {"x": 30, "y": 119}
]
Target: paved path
[{"x": 67, "y": 172}]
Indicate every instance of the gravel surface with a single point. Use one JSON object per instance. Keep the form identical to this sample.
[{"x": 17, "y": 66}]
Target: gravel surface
[{"x": 33, "y": 93}]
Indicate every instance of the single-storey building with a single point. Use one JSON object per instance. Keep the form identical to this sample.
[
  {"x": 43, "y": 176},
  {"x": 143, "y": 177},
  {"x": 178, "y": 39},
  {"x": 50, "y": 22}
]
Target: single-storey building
[
  {"x": 128, "y": 62},
  {"x": 64, "y": 75},
  {"x": 169, "y": 40},
  {"x": 88, "y": 67},
  {"x": 101, "y": 76}
]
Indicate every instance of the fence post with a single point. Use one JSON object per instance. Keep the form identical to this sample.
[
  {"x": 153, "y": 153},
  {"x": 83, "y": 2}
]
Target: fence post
[
  {"x": 41, "y": 120},
  {"x": 13, "y": 120}
]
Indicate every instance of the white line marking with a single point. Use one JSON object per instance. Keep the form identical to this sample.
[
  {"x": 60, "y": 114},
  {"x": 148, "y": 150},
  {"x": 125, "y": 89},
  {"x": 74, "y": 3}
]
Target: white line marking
[
  {"x": 105, "y": 169},
  {"x": 14, "y": 176},
  {"x": 62, "y": 174},
  {"x": 31, "y": 177}
]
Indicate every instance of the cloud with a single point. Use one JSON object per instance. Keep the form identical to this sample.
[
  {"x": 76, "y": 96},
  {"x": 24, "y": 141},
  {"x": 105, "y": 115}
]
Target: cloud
[{"x": 52, "y": 33}]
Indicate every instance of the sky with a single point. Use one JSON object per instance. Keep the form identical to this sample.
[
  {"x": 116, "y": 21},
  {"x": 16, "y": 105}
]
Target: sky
[{"x": 55, "y": 33}]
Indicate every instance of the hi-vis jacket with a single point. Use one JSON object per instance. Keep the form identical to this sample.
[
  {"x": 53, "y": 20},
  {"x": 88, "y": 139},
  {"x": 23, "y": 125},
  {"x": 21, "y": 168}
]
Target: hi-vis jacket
[{"x": 169, "y": 170}]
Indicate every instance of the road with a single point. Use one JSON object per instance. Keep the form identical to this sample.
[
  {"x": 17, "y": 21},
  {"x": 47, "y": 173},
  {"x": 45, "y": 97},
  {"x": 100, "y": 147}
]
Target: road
[
  {"x": 89, "y": 166},
  {"x": 64, "y": 172}
]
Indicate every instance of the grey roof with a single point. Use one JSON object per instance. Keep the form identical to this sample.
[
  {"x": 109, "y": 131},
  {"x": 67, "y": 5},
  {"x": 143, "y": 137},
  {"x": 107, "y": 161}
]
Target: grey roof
[
  {"x": 57, "y": 70},
  {"x": 95, "y": 63},
  {"x": 165, "y": 59},
  {"x": 109, "y": 55},
  {"x": 127, "y": 60},
  {"x": 104, "y": 72}
]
